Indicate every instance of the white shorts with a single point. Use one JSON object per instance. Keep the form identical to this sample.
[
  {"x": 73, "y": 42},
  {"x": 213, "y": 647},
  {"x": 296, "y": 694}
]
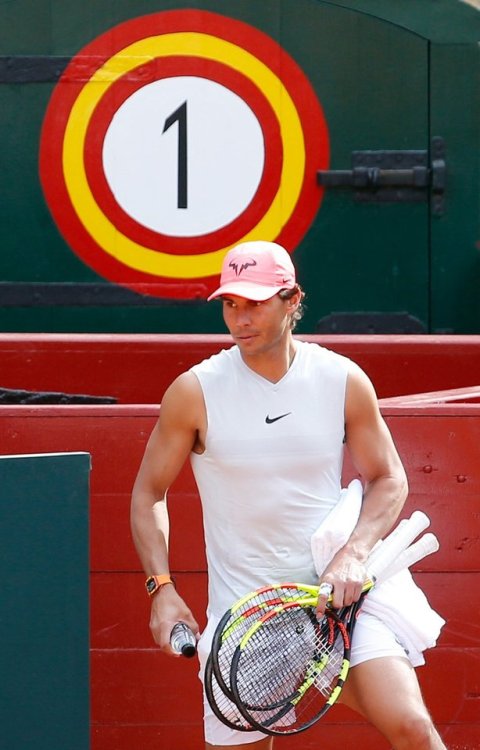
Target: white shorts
[{"x": 372, "y": 640}]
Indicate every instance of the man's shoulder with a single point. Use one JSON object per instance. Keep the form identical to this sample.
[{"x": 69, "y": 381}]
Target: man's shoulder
[
  {"x": 318, "y": 353},
  {"x": 216, "y": 363},
  {"x": 184, "y": 386}
]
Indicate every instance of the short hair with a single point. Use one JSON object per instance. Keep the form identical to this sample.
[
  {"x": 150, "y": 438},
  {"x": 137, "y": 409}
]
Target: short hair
[{"x": 299, "y": 312}]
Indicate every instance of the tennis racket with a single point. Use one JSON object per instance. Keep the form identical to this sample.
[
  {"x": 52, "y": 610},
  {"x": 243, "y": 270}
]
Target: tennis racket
[
  {"x": 292, "y": 665},
  {"x": 426, "y": 545},
  {"x": 289, "y": 669},
  {"x": 398, "y": 540},
  {"x": 222, "y": 706},
  {"x": 237, "y": 622}
]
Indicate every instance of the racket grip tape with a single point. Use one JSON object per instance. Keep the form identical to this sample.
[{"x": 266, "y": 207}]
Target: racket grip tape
[
  {"x": 398, "y": 540},
  {"x": 426, "y": 545},
  {"x": 182, "y": 640}
]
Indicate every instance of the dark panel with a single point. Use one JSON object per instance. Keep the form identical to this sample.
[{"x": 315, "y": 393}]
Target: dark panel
[
  {"x": 456, "y": 235},
  {"x": 44, "y": 626},
  {"x": 31, "y": 68},
  {"x": 369, "y": 322},
  {"x": 70, "y": 294}
]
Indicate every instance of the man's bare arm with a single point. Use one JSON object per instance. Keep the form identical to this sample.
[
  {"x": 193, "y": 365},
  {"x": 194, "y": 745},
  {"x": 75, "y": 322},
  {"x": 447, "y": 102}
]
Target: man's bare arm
[
  {"x": 385, "y": 487},
  {"x": 169, "y": 445}
]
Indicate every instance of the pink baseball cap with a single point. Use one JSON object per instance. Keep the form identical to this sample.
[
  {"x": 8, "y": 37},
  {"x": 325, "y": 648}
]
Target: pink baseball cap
[{"x": 255, "y": 270}]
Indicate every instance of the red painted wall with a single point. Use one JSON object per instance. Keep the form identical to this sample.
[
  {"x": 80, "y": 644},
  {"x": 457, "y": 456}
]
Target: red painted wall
[
  {"x": 143, "y": 699},
  {"x": 137, "y": 368}
]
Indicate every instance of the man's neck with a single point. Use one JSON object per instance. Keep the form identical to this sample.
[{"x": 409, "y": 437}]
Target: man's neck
[{"x": 274, "y": 364}]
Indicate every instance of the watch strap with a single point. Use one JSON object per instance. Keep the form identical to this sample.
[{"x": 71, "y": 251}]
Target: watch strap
[{"x": 155, "y": 582}]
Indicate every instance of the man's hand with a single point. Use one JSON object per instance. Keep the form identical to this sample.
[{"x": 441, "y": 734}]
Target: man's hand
[
  {"x": 168, "y": 608},
  {"x": 343, "y": 580}
]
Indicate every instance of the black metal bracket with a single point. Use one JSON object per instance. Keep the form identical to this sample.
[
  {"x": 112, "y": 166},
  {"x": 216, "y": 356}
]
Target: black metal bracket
[{"x": 394, "y": 176}]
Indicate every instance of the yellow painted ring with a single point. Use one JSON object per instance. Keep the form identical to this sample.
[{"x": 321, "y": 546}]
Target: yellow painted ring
[{"x": 193, "y": 44}]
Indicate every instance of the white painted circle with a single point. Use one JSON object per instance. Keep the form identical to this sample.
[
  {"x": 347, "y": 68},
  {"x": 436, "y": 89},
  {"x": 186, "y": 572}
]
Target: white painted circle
[{"x": 225, "y": 156}]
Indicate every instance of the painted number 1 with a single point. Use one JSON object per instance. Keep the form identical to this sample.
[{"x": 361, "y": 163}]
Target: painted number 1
[{"x": 180, "y": 116}]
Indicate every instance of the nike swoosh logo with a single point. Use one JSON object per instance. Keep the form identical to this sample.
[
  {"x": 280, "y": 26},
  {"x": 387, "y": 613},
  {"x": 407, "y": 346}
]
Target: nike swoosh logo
[{"x": 271, "y": 420}]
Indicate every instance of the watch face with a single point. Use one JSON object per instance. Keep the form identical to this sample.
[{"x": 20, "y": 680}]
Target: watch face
[{"x": 151, "y": 585}]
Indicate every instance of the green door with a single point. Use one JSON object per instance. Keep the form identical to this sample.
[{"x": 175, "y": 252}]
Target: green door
[
  {"x": 367, "y": 257},
  {"x": 137, "y": 146}
]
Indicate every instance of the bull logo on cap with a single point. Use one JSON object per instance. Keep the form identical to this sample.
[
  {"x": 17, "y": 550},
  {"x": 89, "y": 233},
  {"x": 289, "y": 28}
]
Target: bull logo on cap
[{"x": 246, "y": 264}]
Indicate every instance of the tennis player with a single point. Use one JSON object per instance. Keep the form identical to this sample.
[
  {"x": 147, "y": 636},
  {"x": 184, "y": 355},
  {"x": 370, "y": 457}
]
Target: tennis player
[{"x": 264, "y": 424}]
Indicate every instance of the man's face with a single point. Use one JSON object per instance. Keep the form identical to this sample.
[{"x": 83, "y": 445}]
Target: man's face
[{"x": 257, "y": 326}]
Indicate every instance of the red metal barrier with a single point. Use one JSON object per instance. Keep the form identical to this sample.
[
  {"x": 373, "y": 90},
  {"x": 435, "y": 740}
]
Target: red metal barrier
[
  {"x": 137, "y": 368},
  {"x": 142, "y": 699},
  {"x": 452, "y": 395},
  {"x": 139, "y": 697}
]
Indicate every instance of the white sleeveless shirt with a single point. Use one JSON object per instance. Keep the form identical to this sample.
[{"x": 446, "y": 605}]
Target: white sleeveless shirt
[{"x": 271, "y": 469}]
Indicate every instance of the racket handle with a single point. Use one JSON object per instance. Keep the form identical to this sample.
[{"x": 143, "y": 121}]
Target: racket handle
[
  {"x": 182, "y": 640},
  {"x": 398, "y": 540},
  {"x": 426, "y": 545}
]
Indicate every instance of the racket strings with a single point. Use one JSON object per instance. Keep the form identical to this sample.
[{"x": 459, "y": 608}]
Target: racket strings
[
  {"x": 222, "y": 706},
  {"x": 269, "y": 654},
  {"x": 261, "y": 684},
  {"x": 227, "y": 710},
  {"x": 280, "y": 681},
  {"x": 237, "y": 622},
  {"x": 291, "y": 666}
]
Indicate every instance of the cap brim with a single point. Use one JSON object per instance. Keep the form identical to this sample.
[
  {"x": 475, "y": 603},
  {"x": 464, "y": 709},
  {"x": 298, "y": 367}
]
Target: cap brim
[{"x": 255, "y": 292}]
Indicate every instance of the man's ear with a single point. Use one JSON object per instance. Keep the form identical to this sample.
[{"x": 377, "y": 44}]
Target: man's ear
[{"x": 294, "y": 301}]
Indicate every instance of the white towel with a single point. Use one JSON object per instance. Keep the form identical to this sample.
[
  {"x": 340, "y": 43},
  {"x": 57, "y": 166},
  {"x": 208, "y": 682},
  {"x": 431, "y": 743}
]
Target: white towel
[
  {"x": 416, "y": 625},
  {"x": 337, "y": 527}
]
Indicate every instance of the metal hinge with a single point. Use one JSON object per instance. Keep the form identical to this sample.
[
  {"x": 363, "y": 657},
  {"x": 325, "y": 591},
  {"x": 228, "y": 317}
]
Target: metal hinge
[{"x": 394, "y": 176}]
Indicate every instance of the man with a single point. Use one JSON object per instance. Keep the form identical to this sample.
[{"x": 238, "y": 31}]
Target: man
[{"x": 264, "y": 424}]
